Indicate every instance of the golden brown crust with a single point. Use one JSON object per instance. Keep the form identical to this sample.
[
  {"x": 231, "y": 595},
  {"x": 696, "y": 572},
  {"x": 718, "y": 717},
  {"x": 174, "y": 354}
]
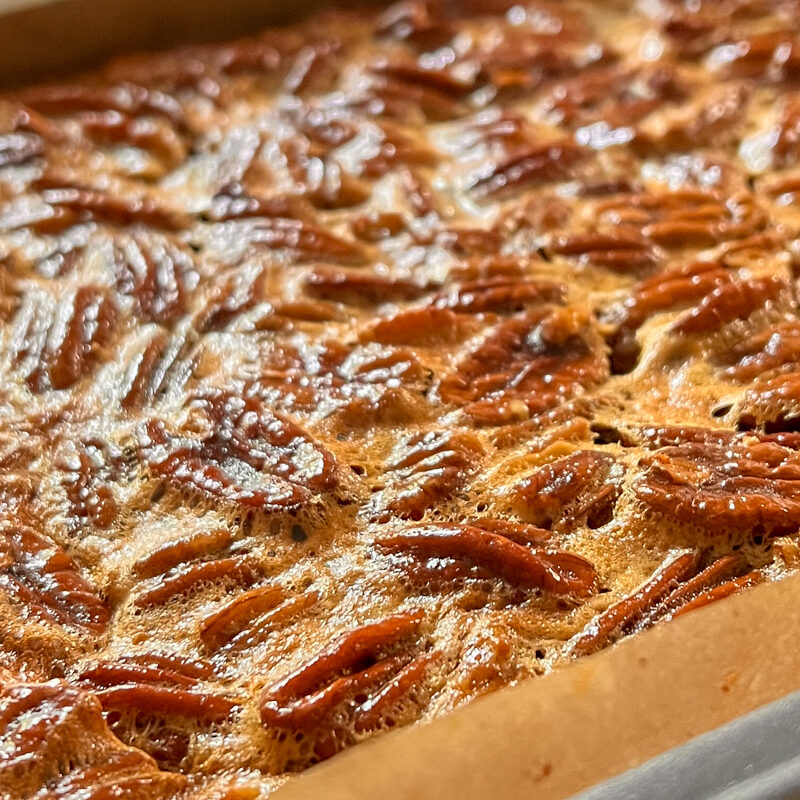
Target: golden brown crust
[{"x": 356, "y": 369}]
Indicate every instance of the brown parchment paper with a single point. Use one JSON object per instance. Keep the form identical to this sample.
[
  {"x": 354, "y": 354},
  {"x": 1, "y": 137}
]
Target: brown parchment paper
[{"x": 552, "y": 736}]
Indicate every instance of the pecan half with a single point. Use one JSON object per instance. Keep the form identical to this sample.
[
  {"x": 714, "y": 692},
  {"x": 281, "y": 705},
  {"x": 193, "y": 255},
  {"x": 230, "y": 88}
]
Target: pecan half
[
  {"x": 724, "y": 488},
  {"x": 249, "y": 457},
  {"x": 232, "y": 202},
  {"x": 158, "y": 274},
  {"x": 731, "y": 301},
  {"x": 720, "y": 592},
  {"x": 148, "y": 668},
  {"x": 773, "y": 403},
  {"x": 617, "y": 252},
  {"x": 302, "y": 240},
  {"x": 107, "y": 674},
  {"x": 18, "y": 148},
  {"x": 125, "y": 98},
  {"x": 360, "y": 287},
  {"x": 157, "y": 365},
  {"x": 154, "y": 135},
  {"x": 182, "y": 551},
  {"x": 86, "y": 469},
  {"x": 683, "y": 218},
  {"x": 401, "y": 99},
  {"x": 773, "y": 55},
  {"x": 541, "y": 358},
  {"x": 254, "y": 632},
  {"x": 427, "y": 469},
  {"x": 501, "y": 295},
  {"x": 36, "y": 572},
  {"x": 620, "y": 618},
  {"x": 59, "y": 345},
  {"x": 676, "y": 588},
  {"x": 773, "y": 348},
  {"x": 180, "y": 581},
  {"x": 75, "y": 204},
  {"x": 233, "y": 616},
  {"x": 672, "y": 288},
  {"x": 166, "y": 701},
  {"x": 360, "y": 661},
  {"x": 533, "y": 166},
  {"x": 577, "y": 486},
  {"x": 720, "y": 579},
  {"x": 426, "y": 327},
  {"x": 517, "y": 565}
]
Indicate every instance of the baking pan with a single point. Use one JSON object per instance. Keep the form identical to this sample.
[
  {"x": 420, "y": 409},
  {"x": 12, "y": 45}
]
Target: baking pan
[
  {"x": 560, "y": 734},
  {"x": 756, "y": 757}
]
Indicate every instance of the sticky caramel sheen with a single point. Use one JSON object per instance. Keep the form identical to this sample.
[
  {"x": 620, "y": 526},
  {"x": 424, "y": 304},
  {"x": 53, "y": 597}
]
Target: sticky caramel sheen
[{"x": 357, "y": 369}]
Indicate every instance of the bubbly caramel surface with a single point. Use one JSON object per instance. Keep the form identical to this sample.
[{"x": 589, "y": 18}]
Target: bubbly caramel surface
[{"x": 360, "y": 368}]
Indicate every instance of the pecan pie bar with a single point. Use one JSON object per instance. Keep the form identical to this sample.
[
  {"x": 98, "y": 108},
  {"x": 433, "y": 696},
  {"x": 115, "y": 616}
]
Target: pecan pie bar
[{"x": 360, "y": 368}]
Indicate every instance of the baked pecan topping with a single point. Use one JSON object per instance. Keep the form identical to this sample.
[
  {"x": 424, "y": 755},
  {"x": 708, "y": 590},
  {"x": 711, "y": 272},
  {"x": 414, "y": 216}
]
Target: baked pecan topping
[
  {"x": 238, "y": 293},
  {"x": 399, "y": 97},
  {"x": 519, "y": 532},
  {"x": 657, "y": 436},
  {"x": 485, "y": 303}
]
